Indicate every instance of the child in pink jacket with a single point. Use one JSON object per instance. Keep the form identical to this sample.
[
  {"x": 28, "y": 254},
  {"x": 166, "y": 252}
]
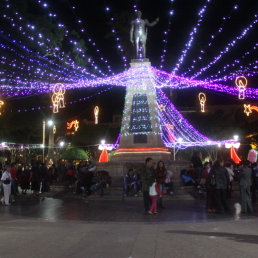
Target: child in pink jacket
[{"x": 154, "y": 192}]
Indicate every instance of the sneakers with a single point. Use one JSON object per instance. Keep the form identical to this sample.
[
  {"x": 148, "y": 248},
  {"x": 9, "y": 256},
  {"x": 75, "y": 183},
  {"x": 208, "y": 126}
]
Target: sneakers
[{"x": 150, "y": 213}]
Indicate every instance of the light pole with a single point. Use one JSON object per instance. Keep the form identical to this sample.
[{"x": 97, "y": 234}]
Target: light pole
[
  {"x": 43, "y": 141},
  {"x": 50, "y": 138}
]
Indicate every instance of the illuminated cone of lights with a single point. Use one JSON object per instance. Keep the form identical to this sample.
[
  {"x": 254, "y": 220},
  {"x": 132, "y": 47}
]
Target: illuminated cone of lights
[
  {"x": 141, "y": 134},
  {"x": 103, "y": 156}
]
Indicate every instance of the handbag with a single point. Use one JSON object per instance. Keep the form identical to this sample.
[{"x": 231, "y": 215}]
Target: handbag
[{"x": 7, "y": 181}]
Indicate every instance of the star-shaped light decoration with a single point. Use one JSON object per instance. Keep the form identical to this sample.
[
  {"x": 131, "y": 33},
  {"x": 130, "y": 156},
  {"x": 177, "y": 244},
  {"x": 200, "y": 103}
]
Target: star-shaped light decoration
[{"x": 247, "y": 110}]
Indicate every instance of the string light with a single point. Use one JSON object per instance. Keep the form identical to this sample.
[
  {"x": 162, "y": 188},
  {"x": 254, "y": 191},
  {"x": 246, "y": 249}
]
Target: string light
[
  {"x": 202, "y": 99},
  {"x": 192, "y": 34},
  {"x": 117, "y": 38},
  {"x": 241, "y": 83},
  {"x": 19, "y": 110},
  {"x": 165, "y": 34},
  {"x": 228, "y": 47},
  {"x": 184, "y": 134},
  {"x": 212, "y": 37}
]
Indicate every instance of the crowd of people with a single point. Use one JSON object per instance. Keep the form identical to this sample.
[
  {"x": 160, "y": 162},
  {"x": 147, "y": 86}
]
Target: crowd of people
[
  {"x": 217, "y": 181},
  {"x": 37, "y": 178}
]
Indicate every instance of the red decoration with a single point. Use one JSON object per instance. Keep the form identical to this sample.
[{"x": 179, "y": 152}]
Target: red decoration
[
  {"x": 234, "y": 155},
  {"x": 103, "y": 156}
]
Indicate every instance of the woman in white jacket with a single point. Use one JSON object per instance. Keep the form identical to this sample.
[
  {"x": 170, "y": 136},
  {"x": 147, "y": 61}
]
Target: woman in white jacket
[{"x": 6, "y": 180}]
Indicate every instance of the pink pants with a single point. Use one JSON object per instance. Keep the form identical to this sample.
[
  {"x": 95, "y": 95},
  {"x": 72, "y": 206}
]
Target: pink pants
[{"x": 153, "y": 207}]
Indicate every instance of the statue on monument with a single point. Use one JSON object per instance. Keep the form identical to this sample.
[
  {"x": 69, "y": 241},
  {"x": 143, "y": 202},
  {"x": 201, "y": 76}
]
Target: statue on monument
[{"x": 138, "y": 34}]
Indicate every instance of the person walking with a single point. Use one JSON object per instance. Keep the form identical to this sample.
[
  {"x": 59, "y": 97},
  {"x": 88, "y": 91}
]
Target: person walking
[
  {"x": 220, "y": 183},
  {"x": 161, "y": 174},
  {"x": 147, "y": 176},
  {"x": 245, "y": 182},
  {"x": 154, "y": 192},
  {"x": 6, "y": 179}
]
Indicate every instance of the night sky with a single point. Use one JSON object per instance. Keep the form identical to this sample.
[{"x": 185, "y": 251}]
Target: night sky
[{"x": 94, "y": 15}]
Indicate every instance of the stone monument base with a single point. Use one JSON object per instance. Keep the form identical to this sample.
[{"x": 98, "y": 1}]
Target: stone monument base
[
  {"x": 141, "y": 153},
  {"x": 118, "y": 169}
]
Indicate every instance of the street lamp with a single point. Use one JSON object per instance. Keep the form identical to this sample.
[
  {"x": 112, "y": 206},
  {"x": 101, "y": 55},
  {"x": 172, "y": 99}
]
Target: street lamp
[
  {"x": 50, "y": 122},
  {"x": 236, "y": 137},
  {"x": 62, "y": 143}
]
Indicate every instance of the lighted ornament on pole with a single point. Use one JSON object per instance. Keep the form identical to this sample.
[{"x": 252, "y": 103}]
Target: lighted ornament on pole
[
  {"x": 58, "y": 97},
  {"x": 96, "y": 113},
  {"x": 202, "y": 99},
  {"x": 1, "y": 104},
  {"x": 241, "y": 83},
  {"x": 104, "y": 154},
  {"x": 233, "y": 146}
]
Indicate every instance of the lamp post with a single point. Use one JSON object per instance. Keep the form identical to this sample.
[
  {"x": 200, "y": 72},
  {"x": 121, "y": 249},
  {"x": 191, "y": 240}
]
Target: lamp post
[
  {"x": 43, "y": 141},
  {"x": 50, "y": 138}
]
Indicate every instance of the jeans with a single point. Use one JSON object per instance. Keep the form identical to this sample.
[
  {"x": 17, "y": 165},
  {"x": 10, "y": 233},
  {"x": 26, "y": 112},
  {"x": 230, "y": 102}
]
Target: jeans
[
  {"x": 161, "y": 188},
  {"x": 127, "y": 188},
  {"x": 14, "y": 187},
  {"x": 146, "y": 199},
  {"x": 153, "y": 207}
]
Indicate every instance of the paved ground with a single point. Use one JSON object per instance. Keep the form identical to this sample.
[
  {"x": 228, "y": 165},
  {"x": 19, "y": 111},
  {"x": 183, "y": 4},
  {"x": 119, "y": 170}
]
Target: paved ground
[{"x": 66, "y": 227}]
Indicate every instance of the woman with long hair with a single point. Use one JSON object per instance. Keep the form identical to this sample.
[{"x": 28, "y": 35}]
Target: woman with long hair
[{"x": 161, "y": 174}]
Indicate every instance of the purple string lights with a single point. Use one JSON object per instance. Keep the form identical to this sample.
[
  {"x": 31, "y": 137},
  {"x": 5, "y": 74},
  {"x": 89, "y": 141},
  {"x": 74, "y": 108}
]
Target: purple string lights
[
  {"x": 38, "y": 66},
  {"x": 183, "y": 133},
  {"x": 228, "y": 47},
  {"x": 117, "y": 38},
  {"x": 191, "y": 39}
]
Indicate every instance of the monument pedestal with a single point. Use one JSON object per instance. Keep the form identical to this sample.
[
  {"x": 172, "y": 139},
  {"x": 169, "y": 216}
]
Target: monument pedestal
[{"x": 141, "y": 129}]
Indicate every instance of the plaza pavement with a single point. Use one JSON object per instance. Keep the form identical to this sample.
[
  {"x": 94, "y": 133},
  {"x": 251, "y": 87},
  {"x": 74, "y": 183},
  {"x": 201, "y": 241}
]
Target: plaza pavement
[{"x": 72, "y": 227}]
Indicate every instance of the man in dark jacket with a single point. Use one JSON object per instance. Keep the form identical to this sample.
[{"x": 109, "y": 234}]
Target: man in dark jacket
[
  {"x": 245, "y": 182},
  {"x": 221, "y": 185},
  {"x": 147, "y": 176}
]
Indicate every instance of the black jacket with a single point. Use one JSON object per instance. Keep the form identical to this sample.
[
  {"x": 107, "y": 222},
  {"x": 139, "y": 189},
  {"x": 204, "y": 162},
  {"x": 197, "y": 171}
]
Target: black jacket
[{"x": 221, "y": 177}]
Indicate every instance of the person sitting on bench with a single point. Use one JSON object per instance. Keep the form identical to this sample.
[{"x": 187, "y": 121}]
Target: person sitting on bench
[{"x": 130, "y": 182}]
